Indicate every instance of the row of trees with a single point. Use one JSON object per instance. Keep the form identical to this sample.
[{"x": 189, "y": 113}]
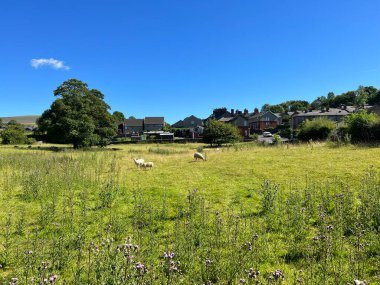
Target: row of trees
[
  {"x": 81, "y": 117},
  {"x": 359, "y": 97},
  {"x": 357, "y": 127}
]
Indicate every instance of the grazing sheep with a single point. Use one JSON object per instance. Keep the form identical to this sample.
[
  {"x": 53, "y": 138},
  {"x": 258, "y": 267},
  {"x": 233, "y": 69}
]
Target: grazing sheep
[
  {"x": 146, "y": 165},
  {"x": 139, "y": 162},
  {"x": 358, "y": 282},
  {"x": 198, "y": 155}
]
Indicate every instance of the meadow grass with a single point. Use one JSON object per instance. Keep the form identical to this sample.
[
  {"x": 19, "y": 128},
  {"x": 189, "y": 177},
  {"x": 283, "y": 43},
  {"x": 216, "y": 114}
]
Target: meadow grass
[{"x": 299, "y": 214}]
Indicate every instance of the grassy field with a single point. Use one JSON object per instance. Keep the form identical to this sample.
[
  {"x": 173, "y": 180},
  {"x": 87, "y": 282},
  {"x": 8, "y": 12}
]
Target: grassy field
[{"x": 306, "y": 214}]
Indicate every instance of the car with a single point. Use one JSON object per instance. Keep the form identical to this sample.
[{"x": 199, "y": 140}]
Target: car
[{"x": 267, "y": 134}]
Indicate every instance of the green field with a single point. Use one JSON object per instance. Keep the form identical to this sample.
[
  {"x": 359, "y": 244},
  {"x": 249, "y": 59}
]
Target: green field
[{"x": 311, "y": 211}]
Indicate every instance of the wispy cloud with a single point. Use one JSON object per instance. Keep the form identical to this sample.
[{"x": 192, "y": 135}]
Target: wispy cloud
[{"x": 52, "y": 62}]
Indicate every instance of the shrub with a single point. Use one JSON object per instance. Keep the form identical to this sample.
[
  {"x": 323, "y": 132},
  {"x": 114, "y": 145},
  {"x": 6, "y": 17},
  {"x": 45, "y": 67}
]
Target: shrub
[
  {"x": 362, "y": 126},
  {"x": 318, "y": 129},
  {"x": 14, "y": 134},
  {"x": 217, "y": 133}
]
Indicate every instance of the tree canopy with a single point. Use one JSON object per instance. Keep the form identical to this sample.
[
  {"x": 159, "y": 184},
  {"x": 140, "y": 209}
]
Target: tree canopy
[
  {"x": 79, "y": 116},
  {"x": 217, "y": 133},
  {"x": 118, "y": 117},
  {"x": 13, "y": 133}
]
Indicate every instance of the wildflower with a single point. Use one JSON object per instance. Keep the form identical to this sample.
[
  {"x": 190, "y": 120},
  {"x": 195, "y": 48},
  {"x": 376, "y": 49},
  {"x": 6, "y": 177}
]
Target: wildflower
[
  {"x": 1, "y": 266},
  {"x": 14, "y": 281},
  {"x": 45, "y": 264},
  {"x": 141, "y": 268},
  {"x": 242, "y": 281},
  {"x": 174, "y": 266},
  {"x": 248, "y": 245},
  {"x": 53, "y": 278},
  {"x": 330, "y": 228},
  {"x": 168, "y": 255},
  {"x": 278, "y": 274},
  {"x": 209, "y": 262},
  {"x": 28, "y": 252},
  {"x": 253, "y": 274}
]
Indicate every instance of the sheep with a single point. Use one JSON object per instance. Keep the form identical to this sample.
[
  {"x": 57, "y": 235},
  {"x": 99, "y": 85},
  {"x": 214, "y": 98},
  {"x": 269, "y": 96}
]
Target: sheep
[
  {"x": 146, "y": 165},
  {"x": 198, "y": 155},
  {"x": 358, "y": 282},
  {"x": 139, "y": 162}
]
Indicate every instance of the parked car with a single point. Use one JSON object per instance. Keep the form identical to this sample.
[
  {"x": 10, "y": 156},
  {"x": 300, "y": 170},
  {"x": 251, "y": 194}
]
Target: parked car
[{"x": 267, "y": 134}]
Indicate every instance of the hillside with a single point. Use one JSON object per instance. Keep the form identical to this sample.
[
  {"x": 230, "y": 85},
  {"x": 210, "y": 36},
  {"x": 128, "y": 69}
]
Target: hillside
[{"x": 25, "y": 120}]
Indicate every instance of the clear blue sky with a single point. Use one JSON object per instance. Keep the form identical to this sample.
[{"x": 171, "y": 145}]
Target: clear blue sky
[{"x": 177, "y": 58}]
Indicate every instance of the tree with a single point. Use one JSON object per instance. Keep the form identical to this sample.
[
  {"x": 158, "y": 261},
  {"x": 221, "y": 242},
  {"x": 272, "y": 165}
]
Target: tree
[
  {"x": 14, "y": 133},
  {"x": 361, "y": 96},
  {"x": 318, "y": 129},
  {"x": 217, "y": 133},
  {"x": 273, "y": 108},
  {"x": 361, "y": 125},
  {"x": 118, "y": 117},
  {"x": 79, "y": 116}
]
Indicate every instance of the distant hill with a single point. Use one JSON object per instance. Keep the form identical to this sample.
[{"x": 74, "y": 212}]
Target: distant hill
[{"x": 25, "y": 120}]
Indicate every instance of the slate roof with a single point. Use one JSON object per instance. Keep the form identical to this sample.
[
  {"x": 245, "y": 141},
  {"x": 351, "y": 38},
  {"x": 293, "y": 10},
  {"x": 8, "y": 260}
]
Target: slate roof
[
  {"x": 154, "y": 120},
  {"x": 330, "y": 112},
  {"x": 133, "y": 122}
]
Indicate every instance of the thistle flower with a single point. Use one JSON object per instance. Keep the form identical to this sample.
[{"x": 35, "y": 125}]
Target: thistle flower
[
  {"x": 53, "y": 278},
  {"x": 141, "y": 268},
  {"x": 168, "y": 255},
  {"x": 278, "y": 274}
]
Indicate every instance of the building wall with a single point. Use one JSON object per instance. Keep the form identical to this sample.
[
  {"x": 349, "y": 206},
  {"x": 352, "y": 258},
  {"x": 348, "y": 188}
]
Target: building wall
[
  {"x": 153, "y": 127},
  {"x": 138, "y": 129}
]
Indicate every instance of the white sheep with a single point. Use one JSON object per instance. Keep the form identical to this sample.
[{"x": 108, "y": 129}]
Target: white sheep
[
  {"x": 139, "y": 162},
  {"x": 198, "y": 155},
  {"x": 148, "y": 164}
]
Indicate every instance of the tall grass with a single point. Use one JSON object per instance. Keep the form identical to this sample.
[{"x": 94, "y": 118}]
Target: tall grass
[{"x": 89, "y": 218}]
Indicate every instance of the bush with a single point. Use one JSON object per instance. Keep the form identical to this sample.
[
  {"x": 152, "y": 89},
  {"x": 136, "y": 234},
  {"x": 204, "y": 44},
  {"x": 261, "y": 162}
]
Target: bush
[
  {"x": 217, "y": 133},
  {"x": 318, "y": 129},
  {"x": 14, "y": 133},
  {"x": 363, "y": 126}
]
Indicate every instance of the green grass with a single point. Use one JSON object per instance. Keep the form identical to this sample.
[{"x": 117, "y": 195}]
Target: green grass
[{"x": 72, "y": 209}]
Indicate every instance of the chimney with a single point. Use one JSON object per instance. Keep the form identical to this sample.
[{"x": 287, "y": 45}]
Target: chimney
[
  {"x": 255, "y": 111},
  {"x": 245, "y": 111},
  {"x": 232, "y": 112}
]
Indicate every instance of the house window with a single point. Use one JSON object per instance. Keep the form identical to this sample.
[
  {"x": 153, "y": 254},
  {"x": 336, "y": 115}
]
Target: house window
[{"x": 192, "y": 123}]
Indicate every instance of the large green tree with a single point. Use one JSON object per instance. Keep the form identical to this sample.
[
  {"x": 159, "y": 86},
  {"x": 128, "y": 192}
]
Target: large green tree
[
  {"x": 217, "y": 133},
  {"x": 14, "y": 133},
  {"x": 78, "y": 116}
]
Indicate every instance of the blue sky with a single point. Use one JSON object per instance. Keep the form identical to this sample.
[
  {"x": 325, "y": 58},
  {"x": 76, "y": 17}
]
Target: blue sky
[{"x": 177, "y": 58}]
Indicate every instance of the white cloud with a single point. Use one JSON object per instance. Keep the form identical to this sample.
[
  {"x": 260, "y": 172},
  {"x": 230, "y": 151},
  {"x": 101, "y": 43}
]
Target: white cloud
[{"x": 54, "y": 63}]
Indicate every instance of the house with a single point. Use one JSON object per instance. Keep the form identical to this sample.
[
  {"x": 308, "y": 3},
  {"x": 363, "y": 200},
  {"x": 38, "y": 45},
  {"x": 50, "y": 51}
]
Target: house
[
  {"x": 240, "y": 121},
  {"x": 133, "y": 126},
  {"x": 153, "y": 123},
  {"x": 264, "y": 120},
  {"x": 333, "y": 114},
  {"x": 189, "y": 122},
  {"x": 219, "y": 113},
  {"x": 196, "y": 132}
]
